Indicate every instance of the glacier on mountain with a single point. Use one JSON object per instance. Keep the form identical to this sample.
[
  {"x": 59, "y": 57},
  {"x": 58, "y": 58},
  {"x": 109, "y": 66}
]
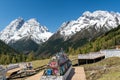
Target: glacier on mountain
[
  {"x": 32, "y": 29},
  {"x": 19, "y": 29},
  {"x": 97, "y": 19}
]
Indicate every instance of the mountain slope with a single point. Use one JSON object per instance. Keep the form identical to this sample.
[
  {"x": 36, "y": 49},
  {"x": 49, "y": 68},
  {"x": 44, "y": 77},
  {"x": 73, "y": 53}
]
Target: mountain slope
[
  {"x": 20, "y": 33},
  {"x": 78, "y": 32},
  {"x": 97, "y": 19},
  {"x": 11, "y": 29},
  {"x": 106, "y": 41},
  {"x": 5, "y": 49},
  {"x": 9, "y": 55},
  {"x": 24, "y": 45}
]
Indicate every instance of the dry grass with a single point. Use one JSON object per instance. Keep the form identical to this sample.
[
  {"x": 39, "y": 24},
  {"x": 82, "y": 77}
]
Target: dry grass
[
  {"x": 74, "y": 59},
  {"x": 38, "y": 63},
  {"x": 107, "y": 69}
]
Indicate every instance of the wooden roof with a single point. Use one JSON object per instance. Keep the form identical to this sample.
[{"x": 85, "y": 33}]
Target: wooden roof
[{"x": 93, "y": 55}]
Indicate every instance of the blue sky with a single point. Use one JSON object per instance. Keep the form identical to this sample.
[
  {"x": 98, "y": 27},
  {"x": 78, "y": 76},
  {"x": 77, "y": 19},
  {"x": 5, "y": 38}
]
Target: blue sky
[{"x": 51, "y": 13}]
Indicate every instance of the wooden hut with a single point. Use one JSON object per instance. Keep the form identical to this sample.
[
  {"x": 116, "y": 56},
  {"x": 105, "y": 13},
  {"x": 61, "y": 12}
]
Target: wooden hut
[{"x": 90, "y": 58}]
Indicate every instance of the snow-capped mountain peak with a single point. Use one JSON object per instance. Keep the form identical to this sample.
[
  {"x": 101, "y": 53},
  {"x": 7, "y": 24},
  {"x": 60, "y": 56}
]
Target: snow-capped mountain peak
[
  {"x": 29, "y": 29},
  {"x": 15, "y": 24},
  {"x": 11, "y": 29},
  {"x": 87, "y": 13},
  {"x": 32, "y": 22},
  {"x": 97, "y": 19}
]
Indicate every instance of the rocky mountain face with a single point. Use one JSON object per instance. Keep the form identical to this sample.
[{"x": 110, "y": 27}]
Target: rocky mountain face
[
  {"x": 78, "y": 32},
  {"x": 22, "y": 31}
]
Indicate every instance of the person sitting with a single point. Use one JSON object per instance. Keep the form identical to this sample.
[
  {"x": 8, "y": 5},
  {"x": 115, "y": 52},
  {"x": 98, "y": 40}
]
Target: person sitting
[{"x": 29, "y": 66}]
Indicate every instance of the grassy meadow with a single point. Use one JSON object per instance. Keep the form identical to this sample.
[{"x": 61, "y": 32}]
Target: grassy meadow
[{"x": 107, "y": 69}]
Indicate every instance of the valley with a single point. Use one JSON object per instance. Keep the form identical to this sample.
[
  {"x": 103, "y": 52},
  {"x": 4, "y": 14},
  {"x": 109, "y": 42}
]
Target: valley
[{"x": 27, "y": 41}]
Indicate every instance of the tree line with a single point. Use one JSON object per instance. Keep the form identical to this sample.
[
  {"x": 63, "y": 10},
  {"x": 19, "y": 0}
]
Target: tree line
[{"x": 16, "y": 58}]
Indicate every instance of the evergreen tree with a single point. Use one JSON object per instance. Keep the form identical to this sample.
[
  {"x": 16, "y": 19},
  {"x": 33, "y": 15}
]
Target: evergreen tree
[
  {"x": 2, "y": 59},
  {"x": 30, "y": 56},
  {"x": 7, "y": 60},
  {"x": 13, "y": 60}
]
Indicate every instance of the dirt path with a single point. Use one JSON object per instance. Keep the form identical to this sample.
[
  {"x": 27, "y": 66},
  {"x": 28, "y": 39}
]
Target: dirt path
[
  {"x": 77, "y": 73},
  {"x": 35, "y": 77}
]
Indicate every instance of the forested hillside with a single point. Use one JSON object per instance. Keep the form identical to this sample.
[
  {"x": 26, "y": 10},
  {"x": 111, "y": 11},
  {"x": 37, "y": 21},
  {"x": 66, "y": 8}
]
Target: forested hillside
[
  {"x": 9, "y": 55},
  {"x": 24, "y": 45},
  {"x": 106, "y": 41},
  {"x": 4, "y": 48}
]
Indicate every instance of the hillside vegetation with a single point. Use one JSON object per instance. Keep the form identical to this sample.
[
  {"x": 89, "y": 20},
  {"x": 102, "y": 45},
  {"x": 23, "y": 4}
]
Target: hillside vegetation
[
  {"x": 24, "y": 45},
  {"x": 4, "y": 48},
  {"x": 9, "y": 55},
  {"x": 106, "y": 41}
]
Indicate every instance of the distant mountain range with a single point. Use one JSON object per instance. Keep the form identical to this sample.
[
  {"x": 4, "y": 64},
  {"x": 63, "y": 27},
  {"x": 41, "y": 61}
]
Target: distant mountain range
[
  {"x": 98, "y": 20},
  {"x": 23, "y": 35}
]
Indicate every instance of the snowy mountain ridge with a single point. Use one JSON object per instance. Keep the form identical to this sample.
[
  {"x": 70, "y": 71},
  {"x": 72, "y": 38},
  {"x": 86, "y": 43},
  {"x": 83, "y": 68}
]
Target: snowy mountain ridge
[
  {"x": 20, "y": 29},
  {"x": 98, "y": 19}
]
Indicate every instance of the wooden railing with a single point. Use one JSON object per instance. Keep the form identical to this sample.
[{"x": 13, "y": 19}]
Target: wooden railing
[{"x": 26, "y": 73}]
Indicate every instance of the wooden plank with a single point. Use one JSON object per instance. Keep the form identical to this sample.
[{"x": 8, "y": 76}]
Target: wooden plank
[
  {"x": 13, "y": 70},
  {"x": 35, "y": 77},
  {"x": 9, "y": 72},
  {"x": 91, "y": 55},
  {"x": 77, "y": 73}
]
